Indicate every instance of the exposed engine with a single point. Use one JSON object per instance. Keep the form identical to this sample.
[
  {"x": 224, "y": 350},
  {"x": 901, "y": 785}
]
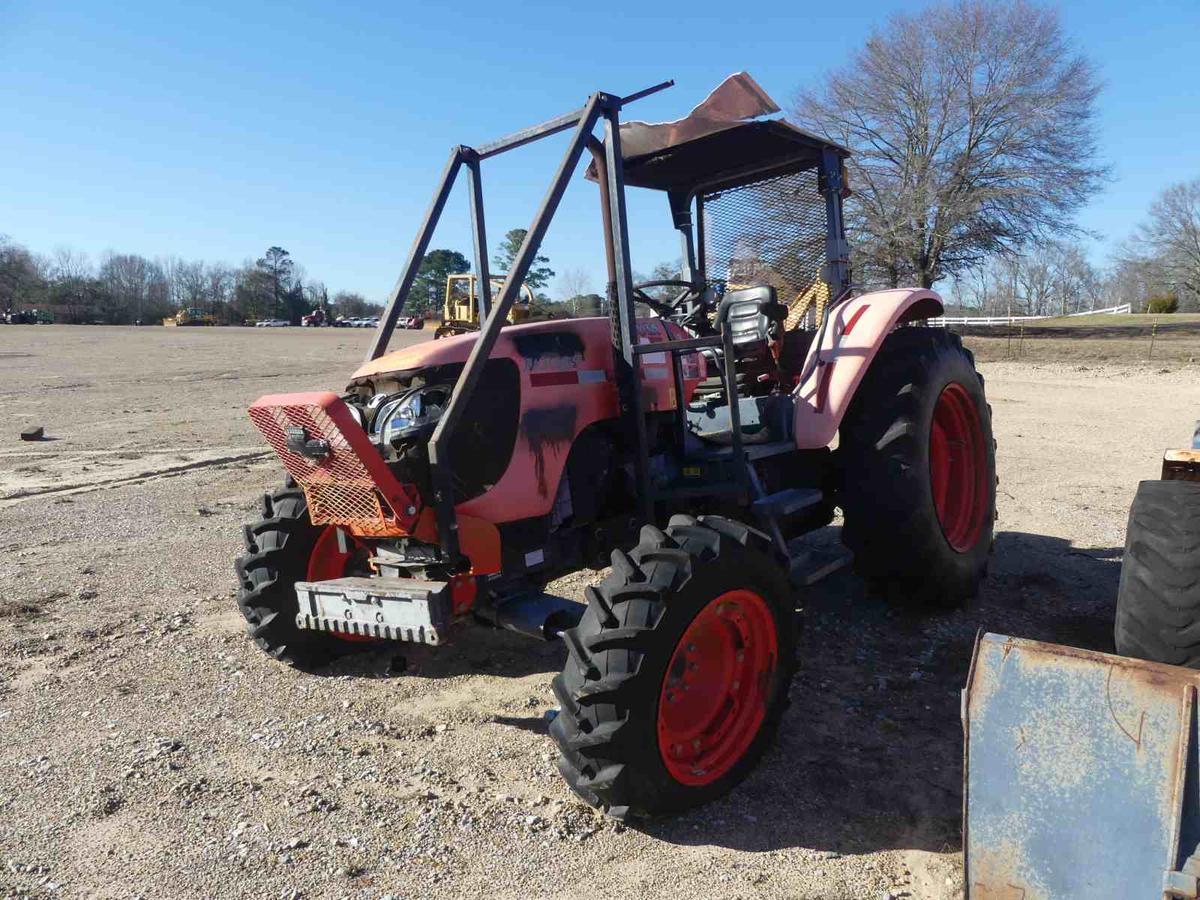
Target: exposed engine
[{"x": 400, "y": 423}]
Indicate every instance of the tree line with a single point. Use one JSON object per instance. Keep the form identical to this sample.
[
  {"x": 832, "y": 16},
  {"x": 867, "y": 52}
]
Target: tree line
[
  {"x": 972, "y": 126},
  {"x": 126, "y": 288}
]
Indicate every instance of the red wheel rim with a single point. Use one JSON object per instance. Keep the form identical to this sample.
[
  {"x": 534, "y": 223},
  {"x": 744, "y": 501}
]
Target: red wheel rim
[
  {"x": 327, "y": 562},
  {"x": 714, "y": 695},
  {"x": 958, "y": 467}
]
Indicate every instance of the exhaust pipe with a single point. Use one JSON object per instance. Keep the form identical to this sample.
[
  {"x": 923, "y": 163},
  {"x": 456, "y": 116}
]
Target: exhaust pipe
[{"x": 536, "y": 614}]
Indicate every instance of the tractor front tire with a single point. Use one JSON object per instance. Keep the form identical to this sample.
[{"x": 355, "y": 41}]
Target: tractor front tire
[
  {"x": 918, "y": 471},
  {"x": 1158, "y": 601},
  {"x": 282, "y": 548},
  {"x": 678, "y": 672}
]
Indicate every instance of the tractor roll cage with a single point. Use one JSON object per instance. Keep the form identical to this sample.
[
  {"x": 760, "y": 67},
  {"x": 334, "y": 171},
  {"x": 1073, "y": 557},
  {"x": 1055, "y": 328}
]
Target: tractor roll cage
[{"x": 731, "y": 157}]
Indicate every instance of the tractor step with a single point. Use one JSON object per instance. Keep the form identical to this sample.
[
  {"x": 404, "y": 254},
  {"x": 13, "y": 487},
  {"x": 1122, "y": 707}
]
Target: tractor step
[
  {"x": 808, "y": 565},
  {"x": 399, "y": 609},
  {"x": 788, "y": 502}
]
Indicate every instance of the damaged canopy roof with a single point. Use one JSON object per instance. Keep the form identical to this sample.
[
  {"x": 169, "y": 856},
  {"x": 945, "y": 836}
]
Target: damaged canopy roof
[{"x": 721, "y": 143}]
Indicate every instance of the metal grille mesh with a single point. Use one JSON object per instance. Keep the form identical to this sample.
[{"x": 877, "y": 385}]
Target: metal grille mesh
[
  {"x": 339, "y": 489},
  {"x": 770, "y": 232}
]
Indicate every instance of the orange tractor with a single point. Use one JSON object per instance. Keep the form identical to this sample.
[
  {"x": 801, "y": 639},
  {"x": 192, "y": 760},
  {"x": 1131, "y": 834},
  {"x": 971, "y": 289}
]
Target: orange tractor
[{"x": 689, "y": 441}]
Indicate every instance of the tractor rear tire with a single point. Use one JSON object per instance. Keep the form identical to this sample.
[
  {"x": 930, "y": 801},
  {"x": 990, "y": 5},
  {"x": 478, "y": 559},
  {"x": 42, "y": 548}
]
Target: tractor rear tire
[
  {"x": 678, "y": 673},
  {"x": 1158, "y": 601},
  {"x": 918, "y": 470},
  {"x": 282, "y": 548}
]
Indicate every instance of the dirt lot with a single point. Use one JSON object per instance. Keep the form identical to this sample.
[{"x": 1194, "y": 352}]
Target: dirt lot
[{"x": 146, "y": 749}]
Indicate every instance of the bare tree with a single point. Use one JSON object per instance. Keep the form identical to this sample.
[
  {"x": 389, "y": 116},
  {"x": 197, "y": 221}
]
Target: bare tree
[
  {"x": 573, "y": 284},
  {"x": 973, "y": 131},
  {"x": 1171, "y": 238},
  {"x": 191, "y": 284},
  {"x": 70, "y": 264},
  {"x": 21, "y": 277},
  {"x": 351, "y": 305},
  {"x": 127, "y": 278},
  {"x": 1053, "y": 278}
]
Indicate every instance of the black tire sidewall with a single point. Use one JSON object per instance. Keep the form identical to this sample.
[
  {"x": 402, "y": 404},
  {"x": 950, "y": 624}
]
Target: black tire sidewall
[
  {"x": 1158, "y": 597},
  {"x": 285, "y": 542},
  {"x": 887, "y": 494},
  {"x": 959, "y": 567},
  {"x": 708, "y": 582}
]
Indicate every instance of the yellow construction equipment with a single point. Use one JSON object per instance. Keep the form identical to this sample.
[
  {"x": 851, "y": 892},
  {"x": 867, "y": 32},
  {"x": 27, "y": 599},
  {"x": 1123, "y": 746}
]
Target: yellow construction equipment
[
  {"x": 460, "y": 314},
  {"x": 193, "y": 315}
]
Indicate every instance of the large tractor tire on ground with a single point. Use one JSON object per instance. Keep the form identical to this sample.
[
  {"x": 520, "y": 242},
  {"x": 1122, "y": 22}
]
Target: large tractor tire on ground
[
  {"x": 918, "y": 469},
  {"x": 284, "y": 547},
  {"x": 678, "y": 673},
  {"x": 1158, "y": 601}
]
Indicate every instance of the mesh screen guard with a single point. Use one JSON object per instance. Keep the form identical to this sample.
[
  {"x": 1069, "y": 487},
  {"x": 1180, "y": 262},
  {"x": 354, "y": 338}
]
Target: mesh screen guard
[
  {"x": 770, "y": 232},
  {"x": 351, "y": 486}
]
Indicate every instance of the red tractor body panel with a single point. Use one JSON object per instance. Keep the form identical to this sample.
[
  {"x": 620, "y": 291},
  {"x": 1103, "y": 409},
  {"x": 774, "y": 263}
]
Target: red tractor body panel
[
  {"x": 567, "y": 384},
  {"x": 854, "y": 336}
]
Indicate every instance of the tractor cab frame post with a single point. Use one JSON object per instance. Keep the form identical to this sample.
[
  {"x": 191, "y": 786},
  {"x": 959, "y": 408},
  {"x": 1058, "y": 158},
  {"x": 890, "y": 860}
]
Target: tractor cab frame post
[
  {"x": 837, "y": 251},
  {"x": 494, "y": 316}
]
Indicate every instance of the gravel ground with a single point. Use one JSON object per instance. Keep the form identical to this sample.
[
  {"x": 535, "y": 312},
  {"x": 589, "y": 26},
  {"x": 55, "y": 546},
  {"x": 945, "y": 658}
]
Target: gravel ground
[{"x": 147, "y": 749}]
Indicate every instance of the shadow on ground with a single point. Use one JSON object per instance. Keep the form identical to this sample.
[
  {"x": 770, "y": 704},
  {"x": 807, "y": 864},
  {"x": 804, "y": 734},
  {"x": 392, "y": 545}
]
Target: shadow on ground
[
  {"x": 474, "y": 651},
  {"x": 869, "y": 756}
]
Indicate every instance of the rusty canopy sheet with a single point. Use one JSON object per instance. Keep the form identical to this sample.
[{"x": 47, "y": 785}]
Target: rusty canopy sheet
[
  {"x": 735, "y": 100},
  {"x": 1075, "y": 773}
]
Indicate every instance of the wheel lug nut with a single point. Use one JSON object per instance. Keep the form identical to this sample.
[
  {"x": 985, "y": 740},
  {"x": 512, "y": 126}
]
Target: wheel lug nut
[
  {"x": 740, "y": 655},
  {"x": 691, "y": 648},
  {"x": 696, "y": 743},
  {"x": 692, "y": 667}
]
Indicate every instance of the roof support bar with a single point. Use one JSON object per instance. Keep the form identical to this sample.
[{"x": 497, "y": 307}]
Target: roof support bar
[
  {"x": 624, "y": 316},
  {"x": 837, "y": 252},
  {"x": 399, "y": 294},
  {"x": 439, "y": 461},
  {"x": 479, "y": 236}
]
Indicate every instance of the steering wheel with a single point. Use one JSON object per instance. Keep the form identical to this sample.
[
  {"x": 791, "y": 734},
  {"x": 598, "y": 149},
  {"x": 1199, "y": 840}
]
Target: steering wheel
[{"x": 689, "y": 292}]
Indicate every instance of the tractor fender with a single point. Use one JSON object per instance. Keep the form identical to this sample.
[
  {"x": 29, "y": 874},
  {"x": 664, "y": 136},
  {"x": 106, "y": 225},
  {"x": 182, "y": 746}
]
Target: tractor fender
[{"x": 850, "y": 342}]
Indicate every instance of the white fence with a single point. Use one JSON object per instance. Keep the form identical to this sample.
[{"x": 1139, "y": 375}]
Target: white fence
[{"x": 943, "y": 321}]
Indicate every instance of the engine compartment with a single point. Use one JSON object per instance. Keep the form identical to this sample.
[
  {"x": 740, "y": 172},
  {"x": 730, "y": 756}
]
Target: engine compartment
[{"x": 400, "y": 411}]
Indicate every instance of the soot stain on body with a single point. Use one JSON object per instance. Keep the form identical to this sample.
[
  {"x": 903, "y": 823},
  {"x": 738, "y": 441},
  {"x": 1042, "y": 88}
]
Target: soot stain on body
[
  {"x": 547, "y": 428},
  {"x": 557, "y": 344}
]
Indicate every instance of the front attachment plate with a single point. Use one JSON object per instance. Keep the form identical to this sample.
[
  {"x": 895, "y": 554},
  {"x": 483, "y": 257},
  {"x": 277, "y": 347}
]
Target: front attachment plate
[{"x": 398, "y": 609}]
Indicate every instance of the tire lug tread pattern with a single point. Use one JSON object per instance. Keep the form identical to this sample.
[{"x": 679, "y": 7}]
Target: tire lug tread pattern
[
  {"x": 278, "y": 547},
  {"x": 1158, "y": 599},
  {"x": 890, "y": 523},
  {"x": 609, "y": 688}
]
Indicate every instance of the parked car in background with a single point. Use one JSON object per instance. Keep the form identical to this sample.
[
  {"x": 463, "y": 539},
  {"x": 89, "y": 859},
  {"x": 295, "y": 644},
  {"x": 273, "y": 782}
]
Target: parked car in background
[
  {"x": 272, "y": 323},
  {"x": 411, "y": 322},
  {"x": 314, "y": 319}
]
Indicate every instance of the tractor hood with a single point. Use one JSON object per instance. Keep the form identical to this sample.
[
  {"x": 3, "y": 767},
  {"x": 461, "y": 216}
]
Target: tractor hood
[
  {"x": 529, "y": 341},
  {"x": 428, "y": 353}
]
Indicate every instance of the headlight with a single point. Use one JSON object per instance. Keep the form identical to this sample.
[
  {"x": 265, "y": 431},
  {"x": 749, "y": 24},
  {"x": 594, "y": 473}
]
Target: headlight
[{"x": 411, "y": 414}]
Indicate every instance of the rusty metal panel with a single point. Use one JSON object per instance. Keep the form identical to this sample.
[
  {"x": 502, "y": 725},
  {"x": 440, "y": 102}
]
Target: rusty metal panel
[
  {"x": 1075, "y": 772},
  {"x": 1181, "y": 465}
]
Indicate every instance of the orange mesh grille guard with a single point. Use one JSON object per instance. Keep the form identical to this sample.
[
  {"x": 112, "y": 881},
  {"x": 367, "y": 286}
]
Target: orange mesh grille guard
[{"x": 350, "y": 485}]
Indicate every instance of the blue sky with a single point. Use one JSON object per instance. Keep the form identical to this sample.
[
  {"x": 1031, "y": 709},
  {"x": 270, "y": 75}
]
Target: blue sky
[{"x": 215, "y": 130}]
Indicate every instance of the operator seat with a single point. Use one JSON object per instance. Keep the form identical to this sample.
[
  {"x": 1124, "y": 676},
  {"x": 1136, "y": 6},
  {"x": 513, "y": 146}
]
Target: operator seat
[{"x": 755, "y": 317}]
